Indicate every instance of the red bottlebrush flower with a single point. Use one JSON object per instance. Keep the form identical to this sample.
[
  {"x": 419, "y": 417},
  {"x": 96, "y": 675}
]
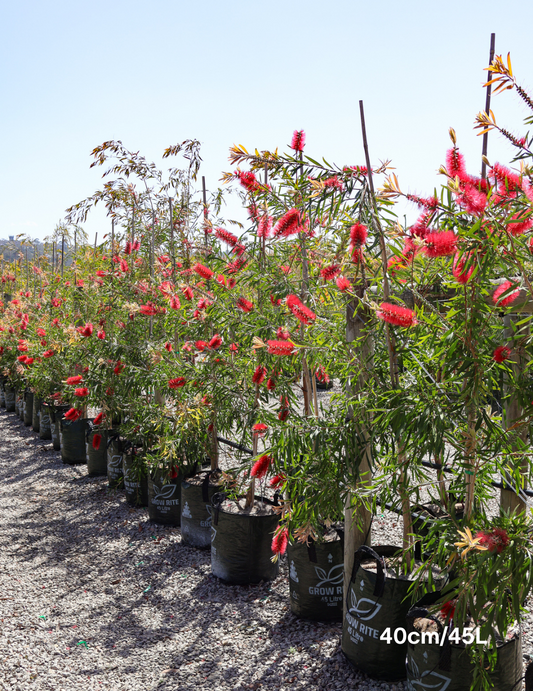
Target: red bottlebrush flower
[
  {"x": 239, "y": 249},
  {"x": 201, "y": 345},
  {"x": 81, "y": 392},
  {"x": 501, "y": 353},
  {"x": 128, "y": 248},
  {"x": 74, "y": 381},
  {"x": 101, "y": 274},
  {"x": 343, "y": 284},
  {"x": 234, "y": 347},
  {"x": 221, "y": 280},
  {"x": 187, "y": 292},
  {"x": 206, "y": 400},
  {"x": 430, "y": 203},
  {"x": 29, "y": 361},
  {"x": 455, "y": 164},
  {"x": 298, "y": 140},
  {"x": 124, "y": 266},
  {"x": 497, "y": 540},
  {"x": 260, "y": 428},
  {"x": 448, "y": 609},
  {"x": 271, "y": 384},
  {"x": 22, "y": 358},
  {"x": 287, "y": 224},
  {"x": 110, "y": 391},
  {"x": 97, "y": 440},
  {"x": 226, "y": 236},
  {"x": 420, "y": 227},
  {"x": 73, "y": 414},
  {"x": 261, "y": 466},
  {"x": 282, "y": 333},
  {"x": 22, "y": 347},
  {"x": 471, "y": 199},
  {"x": 203, "y": 271},
  {"x": 168, "y": 346},
  {"x": 358, "y": 235},
  {"x": 215, "y": 342},
  {"x": 509, "y": 181},
  {"x": 101, "y": 335},
  {"x": 460, "y": 274},
  {"x": 40, "y": 332},
  {"x": 504, "y": 287},
  {"x": 277, "y": 481},
  {"x": 440, "y": 244},
  {"x": 175, "y": 303},
  {"x": 119, "y": 367},
  {"x": 274, "y": 301},
  {"x": 174, "y": 472},
  {"x": 280, "y": 541},
  {"x": 394, "y": 314},
  {"x": 234, "y": 268},
  {"x": 300, "y": 311},
  {"x": 149, "y": 310},
  {"x": 231, "y": 283},
  {"x": 322, "y": 375},
  {"x": 176, "y": 383},
  {"x": 136, "y": 245},
  {"x": 248, "y": 180},
  {"x": 166, "y": 288},
  {"x": 286, "y": 269},
  {"x": 330, "y": 272},
  {"x": 86, "y": 330},
  {"x": 518, "y": 225},
  {"x": 333, "y": 183},
  {"x": 280, "y": 348},
  {"x": 245, "y": 305},
  {"x": 48, "y": 353},
  {"x": 98, "y": 419},
  {"x": 259, "y": 375},
  {"x": 264, "y": 226}
]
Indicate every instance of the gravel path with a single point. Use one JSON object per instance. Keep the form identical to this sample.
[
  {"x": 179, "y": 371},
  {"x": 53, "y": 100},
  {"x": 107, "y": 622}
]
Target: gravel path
[{"x": 94, "y": 596}]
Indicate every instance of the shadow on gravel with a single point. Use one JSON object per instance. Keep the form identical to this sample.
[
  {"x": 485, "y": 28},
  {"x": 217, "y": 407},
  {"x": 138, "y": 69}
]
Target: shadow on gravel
[{"x": 71, "y": 535}]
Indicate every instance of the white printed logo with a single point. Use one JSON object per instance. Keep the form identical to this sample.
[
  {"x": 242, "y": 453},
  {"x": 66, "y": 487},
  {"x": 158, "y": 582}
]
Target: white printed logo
[
  {"x": 115, "y": 461},
  {"x": 207, "y": 522},
  {"x": 292, "y": 573},
  {"x": 165, "y": 492},
  {"x": 186, "y": 511},
  {"x": 363, "y": 606},
  {"x": 334, "y": 576},
  {"x": 436, "y": 681}
]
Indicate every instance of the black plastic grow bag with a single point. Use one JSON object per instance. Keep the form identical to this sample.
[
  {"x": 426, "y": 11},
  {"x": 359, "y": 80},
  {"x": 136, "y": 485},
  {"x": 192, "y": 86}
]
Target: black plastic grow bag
[
  {"x": 196, "y": 511},
  {"x": 164, "y": 500},
  {"x": 45, "y": 422},
  {"x": 56, "y": 413},
  {"x": 241, "y": 544},
  {"x": 10, "y": 399},
  {"x": 28, "y": 408},
  {"x": 316, "y": 574},
  {"x": 36, "y": 413},
  {"x": 115, "y": 473},
  {"x": 20, "y": 404},
  {"x": 96, "y": 458},
  {"x": 2, "y": 394},
  {"x": 135, "y": 477},
  {"x": 72, "y": 440}
]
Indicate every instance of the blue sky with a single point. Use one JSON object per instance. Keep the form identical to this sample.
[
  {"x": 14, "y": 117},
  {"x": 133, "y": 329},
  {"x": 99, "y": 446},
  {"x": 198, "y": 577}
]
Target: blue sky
[{"x": 76, "y": 74}]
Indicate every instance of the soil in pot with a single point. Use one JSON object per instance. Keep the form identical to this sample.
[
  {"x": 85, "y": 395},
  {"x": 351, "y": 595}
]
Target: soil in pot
[
  {"x": 72, "y": 436},
  {"x": 435, "y": 662},
  {"x": 36, "y": 414},
  {"x": 241, "y": 540},
  {"x": 316, "y": 573},
  {"x": 376, "y": 599},
  {"x": 96, "y": 450},
  {"x": 28, "y": 408},
  {"x": 10, "y": 398},
  {"x": 196, "y": 508},
  {"x": 45, "y": 422},
  {"x": 135, "y": 477},
  {"x": 115, "y": 473}
]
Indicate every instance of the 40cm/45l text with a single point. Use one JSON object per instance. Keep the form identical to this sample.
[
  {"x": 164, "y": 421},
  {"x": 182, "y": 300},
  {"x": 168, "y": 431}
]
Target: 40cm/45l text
[{"x": 400, "y": 636}]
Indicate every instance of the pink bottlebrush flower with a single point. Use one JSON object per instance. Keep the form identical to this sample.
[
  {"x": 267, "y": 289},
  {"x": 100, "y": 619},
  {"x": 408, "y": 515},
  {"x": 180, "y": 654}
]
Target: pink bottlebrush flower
[
  {"x": 253, "y": 212},
  {"x": 509, "y": 181},
  {"x": 280, "y": 541},
  {"x": 128, "y": 248},
  {"x": 330, "y": 272},
  {"x": 287, "y": 224},
  {"x": 81, "y": 392},
  {"x": 397, "y": 315},
  {"x": 264, "y": 226},
  {"x": 245, "y": 305},
  {"x": 168, "y": 346},
  {"x": 101, "y": 335},
  {"x": 74, "y": 381},
  {"x": 261, "y": 466},
  {"x": 420, "y": 227},
  {"x": 260, "y": 428},
  {"x": 203, "y": 271},
  {"x": 333, "y": 183},
  {"x": 343, "y": 284},
  {"x": 429, "y": 203},
  {"x": 518, "y": 224},
  {"x": 300, "y": 311},
  {"x": 175, "y": 302},
  {"x": 239, "y": 249},
  {"x": 455, "y": 164},
  {"x": 101, "y": 274},
  {"x": 98, "y": 419},
  {"x": 201, "y": 345},
  {"x": 124, "y": 266},
  {"x": 277, "y": 481},
  {"x": 136, "y": 245},
  {"x": 248, "y": 180},
  {"x": 187, "y": 292},
  {"x": 502, "y": 288},
  {"x": 298, "y": 140},
  {"x": 280, "y": 348},
  {"x": 259, "y": 375},
  {"x": 501, "y": 353},
  {"x": 215, "y": 342},
  {"x": 176, "y": 383},
  {"x": 282, "y": 333},
  {"x": 286, "y": 269},
  {"x": 471, "y": 199},
  {"x": 440, "y": 244},
  {"x": 226, "y": 236},
  {"x": 271, "y": 384},
  {"x": 73, "y": 414},
  {"x": 97, "y": 440},
  {"x": 86, "y": 330}
]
